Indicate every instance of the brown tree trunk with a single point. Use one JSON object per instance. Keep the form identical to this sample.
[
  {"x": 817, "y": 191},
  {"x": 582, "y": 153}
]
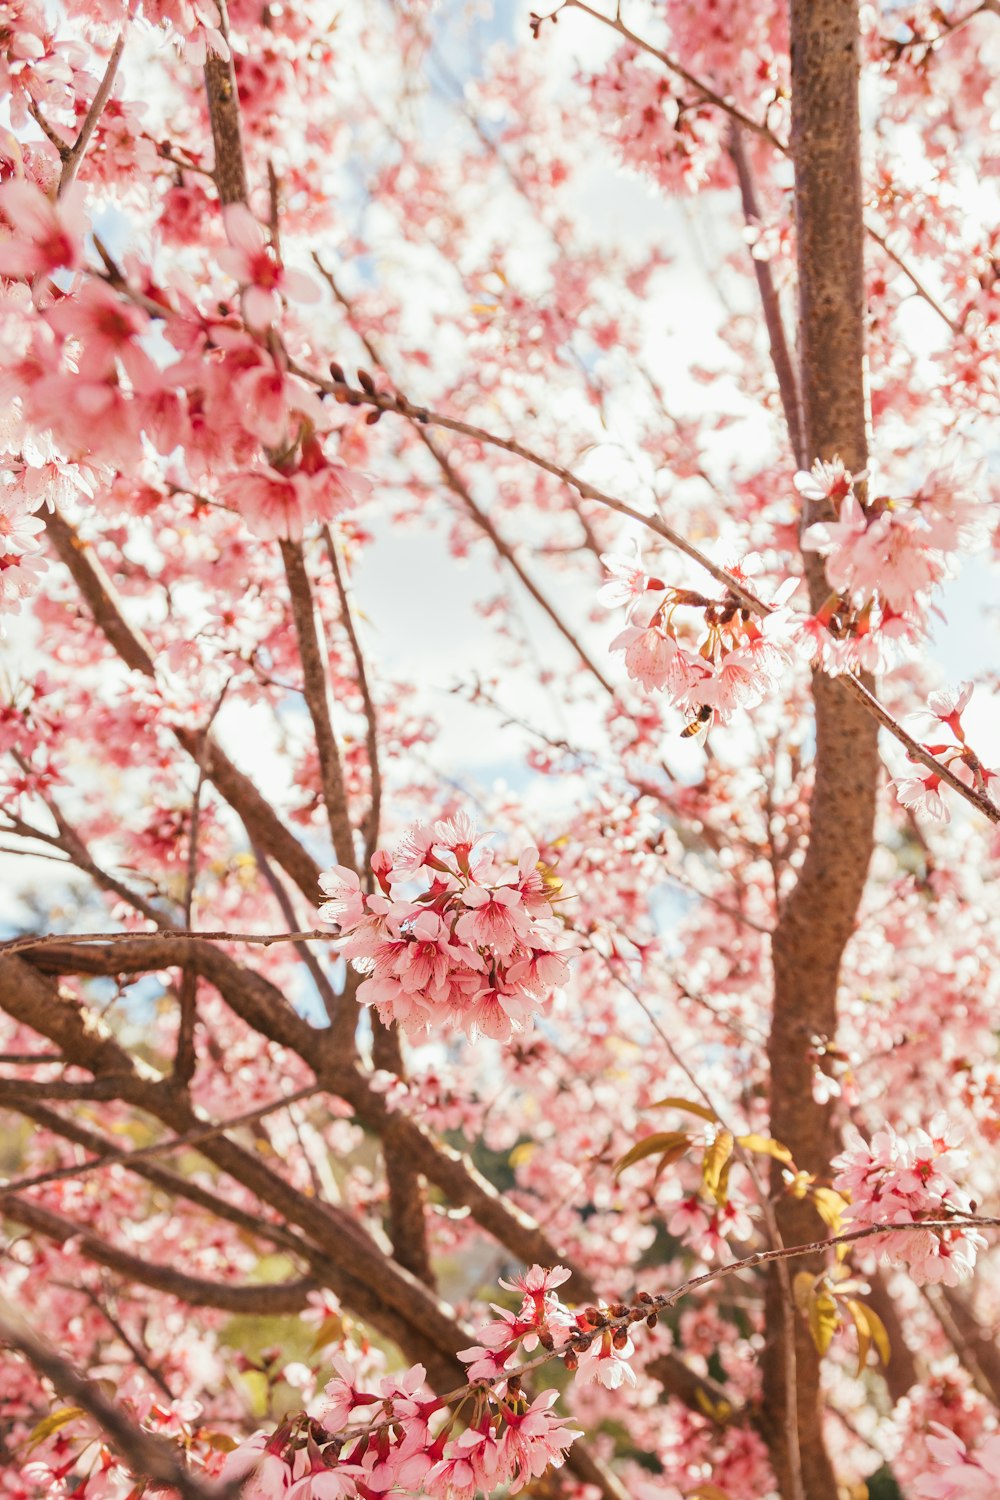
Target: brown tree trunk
[{"x": 818, "y": 918}]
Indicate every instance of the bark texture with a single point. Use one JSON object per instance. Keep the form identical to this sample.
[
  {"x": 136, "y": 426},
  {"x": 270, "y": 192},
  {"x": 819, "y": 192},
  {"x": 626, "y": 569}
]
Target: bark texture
[{"x": 818, "y": 917}]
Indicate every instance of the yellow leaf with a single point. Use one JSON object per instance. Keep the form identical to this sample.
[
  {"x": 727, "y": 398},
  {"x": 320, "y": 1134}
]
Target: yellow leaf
[
  {"x": 824, "y": 1320},
  {"x": 522, "y": 1153},
  {"x": 52, "y": 1423},
  {"x": 879, "y": 1335},
  {"x": 719, "y": 1411},
  {"x": 799, "y": 1185},
  {"x": 707, "y": 1492},
  {"x": 670, "y": 1144},
  {"x": 803, "y": 1287},
  {"x": 222, "y": 1442},
  {"x": 258, "y": 1390},
  {"x": 687, "y": 1104},
  {"x": 870, "y": 1330},
  {"x": 331, "y": 1329},
  {"x": 862, "y": 1329},
  {"x": 765, "y": 1146},
  {"x": 713, "y": 1167},
  {"x": 830, "y": 1207}
]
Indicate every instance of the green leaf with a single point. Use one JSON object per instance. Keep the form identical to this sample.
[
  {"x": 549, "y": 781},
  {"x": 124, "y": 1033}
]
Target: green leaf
[
  {"x": 670, "y": 1144},
  {"x": 687, "y": 1104},
  {"x": 764, "y": 1146}
]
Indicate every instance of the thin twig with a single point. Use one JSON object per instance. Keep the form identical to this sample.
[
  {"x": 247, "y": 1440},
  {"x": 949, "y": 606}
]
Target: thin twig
[
  {"x": 71, "y": 163},
  {"x": 371, "y": 826},
  {"x": 706, "y": 92},
  {"x": 148, "y": 1455},
  {"x": 184, "y": 1053},
  {"x": 80, "y": 939},
  {"x": 424, "y": 416},
  {"x": 158, "y": 1148},
  {"x": 781, "y": 352},
  {"x": 913, "y": 279},
  {"x": 315, "y": 673}
]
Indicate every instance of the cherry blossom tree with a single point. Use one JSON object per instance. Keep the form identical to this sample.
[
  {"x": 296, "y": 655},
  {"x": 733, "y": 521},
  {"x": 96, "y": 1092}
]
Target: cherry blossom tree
[{"x": 500, "y": 982}]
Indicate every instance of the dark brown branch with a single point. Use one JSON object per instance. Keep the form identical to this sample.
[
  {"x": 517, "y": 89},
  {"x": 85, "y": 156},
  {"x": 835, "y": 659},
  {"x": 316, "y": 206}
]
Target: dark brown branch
[
  {"x": 224, "y": 113},
  {"x": 148, "y": 1455},
  {"x": 774, "y": 323},
  {"x": 373, "y": 819},
  {"x": 132, "y": 1158},
  {"x": 407, "y": 1214},
  {"x": 398, "y": 404},
  {"x": 332, "y": 1003},
  {"x": 314, "y": 676},
  {"x": 818, "y": 917},
  {"x": 163, "y": 1178},
  {"x": 196, "y": 1291},
  {"x": 258, "y": 817}
]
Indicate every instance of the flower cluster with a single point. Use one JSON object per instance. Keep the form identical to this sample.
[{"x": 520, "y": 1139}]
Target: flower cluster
[
  {"x": 657, "y": 135},
  {"x": 477, "y": 947},
  {"x": 921, "y": 789},
  {"x": 597, "y": 1350},
  {"x": 905, "y": 1180},
  {"x": 884, "y": 559},
  {"x": 399, "y": 1437},
  {"x": 734, "y": 663}
]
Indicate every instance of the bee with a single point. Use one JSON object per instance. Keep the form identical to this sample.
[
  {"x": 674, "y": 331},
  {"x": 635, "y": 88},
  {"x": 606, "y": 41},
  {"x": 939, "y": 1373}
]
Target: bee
[{"x": 698, "y": 724}]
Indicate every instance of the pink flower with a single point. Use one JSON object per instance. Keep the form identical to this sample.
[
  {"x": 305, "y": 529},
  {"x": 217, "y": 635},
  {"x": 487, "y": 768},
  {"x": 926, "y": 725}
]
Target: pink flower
[
  {"x": 346, "y": 904},
  {"x": 827, "y": 481},
  {"x": 107, "y": 328},
  {"x": 342, "y": 1397},
  {"x": 45, "y": 235},
  {"x": 262, "y": 276},
  {"x": 834, "y": 539},
  {"x": 261, "y": 1473},
  {"x": 19, "y": 526},
  {"x": 904, "y": 1180},
  {"x": 629, "y": 580},
  {"x": 922, "y": 795},
  {"x": 649, "y": 654},
  {"x": 606, "y": 1363},
  {"x": 269, "y": 501},
  {"x": 327, "y": 1484},
  {"x": 945, "y": 707},
  {"x": 960, "y": 1475},
  {"x": 496, "y": 920},
  {"x": 19, "y": 578},
  {"x": 535, "y": 1441}
]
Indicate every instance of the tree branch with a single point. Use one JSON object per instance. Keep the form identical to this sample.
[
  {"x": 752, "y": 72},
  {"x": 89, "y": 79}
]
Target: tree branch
[
  {"x": 314, "y": 676},
  {"x": 76, "y": 152},
  {"x": 149, "y": 1456}
]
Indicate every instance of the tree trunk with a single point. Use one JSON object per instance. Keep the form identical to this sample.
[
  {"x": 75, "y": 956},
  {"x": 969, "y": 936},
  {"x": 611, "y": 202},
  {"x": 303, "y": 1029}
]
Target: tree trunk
[{"x": 818, "y": 918}]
